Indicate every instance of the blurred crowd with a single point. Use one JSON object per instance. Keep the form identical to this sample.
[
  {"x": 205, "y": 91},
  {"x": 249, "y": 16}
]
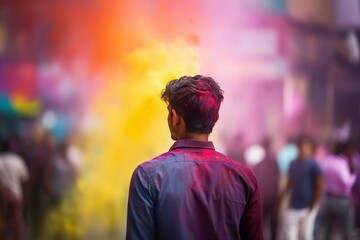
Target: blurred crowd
[
  {"x": 309, "y": 190},
  {"x": 36, "y": 175}
]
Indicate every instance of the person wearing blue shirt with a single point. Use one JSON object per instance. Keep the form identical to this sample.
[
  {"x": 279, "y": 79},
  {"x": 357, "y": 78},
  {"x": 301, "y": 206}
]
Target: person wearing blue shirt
[{"x": 304, "y": 183}]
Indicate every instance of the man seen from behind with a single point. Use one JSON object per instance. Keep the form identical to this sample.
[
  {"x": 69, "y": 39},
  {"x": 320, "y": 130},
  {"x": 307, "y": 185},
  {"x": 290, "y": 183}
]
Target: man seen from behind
[{"x": 192, "y": 191}]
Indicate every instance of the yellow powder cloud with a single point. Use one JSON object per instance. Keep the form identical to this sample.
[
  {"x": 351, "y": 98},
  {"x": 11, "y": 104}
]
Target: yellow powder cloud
[{"x": 131, "y": 128}]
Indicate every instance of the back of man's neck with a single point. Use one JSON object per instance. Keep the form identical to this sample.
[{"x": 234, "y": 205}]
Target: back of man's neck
[{"x": 195, "y": 136}]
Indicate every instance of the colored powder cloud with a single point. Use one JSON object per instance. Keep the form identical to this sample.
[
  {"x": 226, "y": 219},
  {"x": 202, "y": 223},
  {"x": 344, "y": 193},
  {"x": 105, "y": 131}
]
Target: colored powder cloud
[{"x": 130, "y": 128}]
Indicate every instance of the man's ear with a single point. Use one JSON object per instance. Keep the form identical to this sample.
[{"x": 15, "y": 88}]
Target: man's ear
[{"x": 175, "y": 119}]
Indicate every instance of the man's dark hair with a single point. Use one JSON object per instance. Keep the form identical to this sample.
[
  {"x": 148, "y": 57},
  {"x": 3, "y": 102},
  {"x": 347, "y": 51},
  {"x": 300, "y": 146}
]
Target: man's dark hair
[
  {"x": 341, "y": 147},
  {"x": 197, "y": 99},
  {"x": 306, "y": 139}
]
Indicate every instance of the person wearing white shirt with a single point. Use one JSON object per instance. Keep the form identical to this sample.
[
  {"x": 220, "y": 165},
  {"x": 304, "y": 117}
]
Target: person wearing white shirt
[{"x": 13, "y": 173}]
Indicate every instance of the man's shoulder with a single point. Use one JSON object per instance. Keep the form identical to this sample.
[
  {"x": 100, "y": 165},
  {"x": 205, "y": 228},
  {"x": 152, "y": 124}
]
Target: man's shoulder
[
  {"x": 241, "y": 168},
  {"x": 179, "y": 156},
  {"x": 174, "y": 156},
  {"x": 312, "y": 162},
  {"x": 158, "y": 160}
]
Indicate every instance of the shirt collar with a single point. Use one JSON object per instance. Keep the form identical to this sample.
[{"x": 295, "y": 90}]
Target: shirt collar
[{"x": 187, "y": 143}]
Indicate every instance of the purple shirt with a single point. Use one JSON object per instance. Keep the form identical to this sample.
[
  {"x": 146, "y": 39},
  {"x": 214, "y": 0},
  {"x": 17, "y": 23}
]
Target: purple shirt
[
  {"x": 193, "y": 192},
  {"x": 338, "y": 179}
]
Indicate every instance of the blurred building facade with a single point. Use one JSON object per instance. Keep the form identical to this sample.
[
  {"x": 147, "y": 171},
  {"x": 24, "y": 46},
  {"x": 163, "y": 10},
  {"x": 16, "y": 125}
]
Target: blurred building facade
[{"x": 304, "y": 53}]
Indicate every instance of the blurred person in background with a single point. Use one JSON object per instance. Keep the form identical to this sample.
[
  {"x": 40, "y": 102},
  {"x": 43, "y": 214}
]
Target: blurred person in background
[
  {"x": 60, "y": 177},
  {"x": 337, "y": 208},
  {"x": 235, "y": 147},
  {"x": 41, "y": 151},
  {"x": 268, "y": 175},
  {"x": 192, "y": 191},
  {"x": 322, "y": 152},
  {"x": 74, "y": 153},
  {"x": 59, "y": 174},
  {"x": 304, "y": 184},
  {"x": 13, "y": 174},
  {"x": 356, "y": 191}
]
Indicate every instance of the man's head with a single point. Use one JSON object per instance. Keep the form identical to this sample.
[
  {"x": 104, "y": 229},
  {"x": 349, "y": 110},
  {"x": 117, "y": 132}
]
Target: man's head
[
  {"x": 306, "y": 147},
  {"x": 346, "y": 148},
  {"x": 193, "y": 104}
]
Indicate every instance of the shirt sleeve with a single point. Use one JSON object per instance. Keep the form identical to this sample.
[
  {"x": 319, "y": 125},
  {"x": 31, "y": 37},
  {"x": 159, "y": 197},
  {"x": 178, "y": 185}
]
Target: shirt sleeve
[
  {"x": 251, "y": 221},
  {"x": 317, "y": 169},
  {"x": 140, "y": 213}
]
